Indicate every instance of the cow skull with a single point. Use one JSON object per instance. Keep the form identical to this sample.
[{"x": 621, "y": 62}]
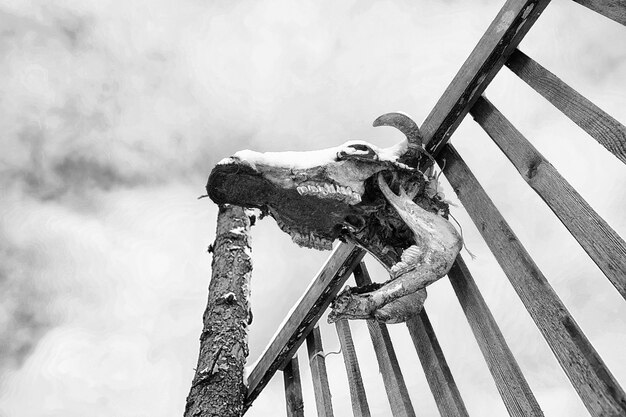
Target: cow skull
[{"x": 346, "y": 193}]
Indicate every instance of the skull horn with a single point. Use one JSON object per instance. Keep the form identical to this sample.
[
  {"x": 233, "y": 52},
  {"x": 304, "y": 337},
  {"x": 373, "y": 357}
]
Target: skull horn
[
  {"x": 404, "y": 124},
  {"x": 409, "y": 128}
]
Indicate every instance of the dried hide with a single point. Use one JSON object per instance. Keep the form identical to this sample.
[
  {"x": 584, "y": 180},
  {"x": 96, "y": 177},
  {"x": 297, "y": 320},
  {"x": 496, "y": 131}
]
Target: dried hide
[{"x": 380, "y": 199}]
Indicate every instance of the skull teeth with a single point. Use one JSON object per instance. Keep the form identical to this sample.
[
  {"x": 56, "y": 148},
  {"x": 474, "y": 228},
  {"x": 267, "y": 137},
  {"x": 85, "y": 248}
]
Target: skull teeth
[
  {"x": 409, "y": 259},
  {"x": 307, "y": 240},
  {"x": 311, "y": 241},
  {"x": 335, "y": 192}
]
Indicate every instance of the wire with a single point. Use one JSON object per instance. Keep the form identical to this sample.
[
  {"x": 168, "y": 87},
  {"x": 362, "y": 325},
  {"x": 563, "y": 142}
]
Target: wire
[
  {"x": 323, "y": 355},
  {"x": 464, "y": 245}
]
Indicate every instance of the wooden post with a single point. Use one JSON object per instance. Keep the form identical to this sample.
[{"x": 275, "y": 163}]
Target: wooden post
[
  {"x": 397, "y": 392},
  {"x": 510, "y": 381},
  {"x": 293, "y": 389},
  {"x": 317, "y": 362},
  {"x": 355, "y": 381},
  {"x": 438, "y": 375},
  {"x": 218, "y": 389}
]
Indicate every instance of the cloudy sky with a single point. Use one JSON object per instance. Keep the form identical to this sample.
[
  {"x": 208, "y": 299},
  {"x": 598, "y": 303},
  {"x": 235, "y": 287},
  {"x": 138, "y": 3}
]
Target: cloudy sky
[{"x": 113, "y": 113}]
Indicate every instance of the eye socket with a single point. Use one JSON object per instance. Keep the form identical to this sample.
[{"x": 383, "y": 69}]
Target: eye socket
[{"x": 357, "y": 151}]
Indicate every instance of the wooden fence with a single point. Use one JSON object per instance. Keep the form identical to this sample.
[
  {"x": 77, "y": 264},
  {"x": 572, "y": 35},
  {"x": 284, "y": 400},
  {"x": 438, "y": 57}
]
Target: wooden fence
[{"x": 592, "y": 380}]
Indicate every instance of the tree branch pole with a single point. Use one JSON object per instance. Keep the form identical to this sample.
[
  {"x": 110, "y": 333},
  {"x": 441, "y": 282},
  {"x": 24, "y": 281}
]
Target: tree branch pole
[{"x": 218, "y": 388}]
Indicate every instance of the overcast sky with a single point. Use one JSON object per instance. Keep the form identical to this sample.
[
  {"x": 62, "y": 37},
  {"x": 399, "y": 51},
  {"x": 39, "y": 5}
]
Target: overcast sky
[{"x": 113, "y": 113}]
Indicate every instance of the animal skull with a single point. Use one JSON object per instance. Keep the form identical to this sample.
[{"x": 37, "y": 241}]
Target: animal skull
[{"x": 343, "y": 193}]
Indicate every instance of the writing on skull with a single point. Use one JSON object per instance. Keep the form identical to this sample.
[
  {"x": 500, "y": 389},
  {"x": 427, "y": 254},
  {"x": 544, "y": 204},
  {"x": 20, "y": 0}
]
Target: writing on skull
[{"x": 377, "y": 198}]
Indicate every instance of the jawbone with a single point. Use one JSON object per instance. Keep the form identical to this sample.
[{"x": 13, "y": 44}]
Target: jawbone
[{"x": 437, "y": 246}]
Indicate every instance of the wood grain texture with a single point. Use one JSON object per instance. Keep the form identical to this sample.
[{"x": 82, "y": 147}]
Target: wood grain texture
[
  {"x": 594, "y": 383},
  {"x": 360, "y": 408},
  {"x": 601, "y": 126},
  {"x": 218, "y": 388},
  {"x": 304, "y": 316},
  {"x": 613, "y": 9},
  {"x": 597, "y": 238},
  {"x": 293, "y": 389},
  {"x": 512, "y": 386},
  {"x": 501, "y": 38},
  {"x": 317, "y": 362},
  {"x": 397, "y": 392},
  {"x": 438, "y": 375}
]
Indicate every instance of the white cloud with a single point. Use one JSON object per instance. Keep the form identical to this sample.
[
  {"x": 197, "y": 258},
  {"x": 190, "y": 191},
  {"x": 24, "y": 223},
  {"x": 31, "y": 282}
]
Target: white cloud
[{"x": 114, "y": 112}]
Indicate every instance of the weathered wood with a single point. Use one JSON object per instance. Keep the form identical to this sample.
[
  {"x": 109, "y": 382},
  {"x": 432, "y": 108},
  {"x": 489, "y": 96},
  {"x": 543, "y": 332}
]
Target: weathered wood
[
  {"x": 597, "y": 238},
  {"x": 593, "y": 381},
  {"x": 218, "y": 388},
  {"x": 514, "y": 390},
  {"x": 360, "y": 408},
  {"x": 306, "y": 313},
  {"x": 438, "y": 375},
  {"x": 501, "y": 38},
  {"x": 397, "y": 392},
  {"x": 601, "y": 126},
  {"x": 613, "y": 9},
  {"x": 293, "y": 389},
  {"x": 317, "y": 362}
]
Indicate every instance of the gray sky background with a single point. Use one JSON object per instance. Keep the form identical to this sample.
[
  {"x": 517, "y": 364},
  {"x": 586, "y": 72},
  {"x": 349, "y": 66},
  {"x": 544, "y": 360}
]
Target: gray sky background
[{"x": 114, "y": 112}]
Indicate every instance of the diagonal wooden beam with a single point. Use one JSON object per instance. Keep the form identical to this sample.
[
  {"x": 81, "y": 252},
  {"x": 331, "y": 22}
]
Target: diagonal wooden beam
[
  {"x": 597, "y": 123},
  {"x": 501, "y": 38},
  {"x": 596, "y": 386},
  {"x": 304, "y": 316},
  {"x": 438, "y": 375},
  {"x": 603, "y": 245},
  {"x": 613, "y": 9},
  {"x": 510, "y": 381}
]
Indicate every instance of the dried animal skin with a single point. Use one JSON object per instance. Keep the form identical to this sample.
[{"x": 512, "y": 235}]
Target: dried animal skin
[
  {"x": 340, "y": 193},
  {"x": 437, "y": 246}
]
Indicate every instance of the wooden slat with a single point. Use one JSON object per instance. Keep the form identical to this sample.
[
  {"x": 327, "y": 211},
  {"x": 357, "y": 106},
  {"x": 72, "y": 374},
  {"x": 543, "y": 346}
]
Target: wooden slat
[
  {"x": 360, "y": 408},
  {"x": 306, "y": 313},
  {"x": 318, "y": 373},
  {"x": 594, "y": 383},
  {"x": 601, "y": 126},
  {"x": 502, "y": 37},
  {"x": 514, "y": 390},
  {"x": 613, "y": 9},
  {"x": 397, "y": 392},
  {"x": 442, "y": 385},
  {"x": 597, "y": 238},
  {"x": 293, "y": 389}
]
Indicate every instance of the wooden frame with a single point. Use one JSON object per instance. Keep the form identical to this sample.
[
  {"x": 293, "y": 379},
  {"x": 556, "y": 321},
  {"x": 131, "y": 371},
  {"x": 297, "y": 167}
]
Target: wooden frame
[
  {"x": 501, "y": 38},
  {"x": 613, "y": 9},
  {"x": 304, "y": 316},
  {"x": 512, "y": 386},
  {"x": 317, "y": 362},
  {"x": 360, "y": 407},
  {"x": 594, "y": 383},
  {"x": 293, "y": 389},
  {"x": 597, "y": 123},
  {"x": 397, "y": 392},
  {"x": 605, "y": 247}
]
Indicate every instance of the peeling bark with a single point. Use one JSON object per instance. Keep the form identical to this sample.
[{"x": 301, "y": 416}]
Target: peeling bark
[{"x": 218, "y": 388}]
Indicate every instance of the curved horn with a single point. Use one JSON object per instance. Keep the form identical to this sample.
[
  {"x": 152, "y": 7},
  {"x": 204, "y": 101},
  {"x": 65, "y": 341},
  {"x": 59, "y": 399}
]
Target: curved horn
[{"x": 404, "y": 124}]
